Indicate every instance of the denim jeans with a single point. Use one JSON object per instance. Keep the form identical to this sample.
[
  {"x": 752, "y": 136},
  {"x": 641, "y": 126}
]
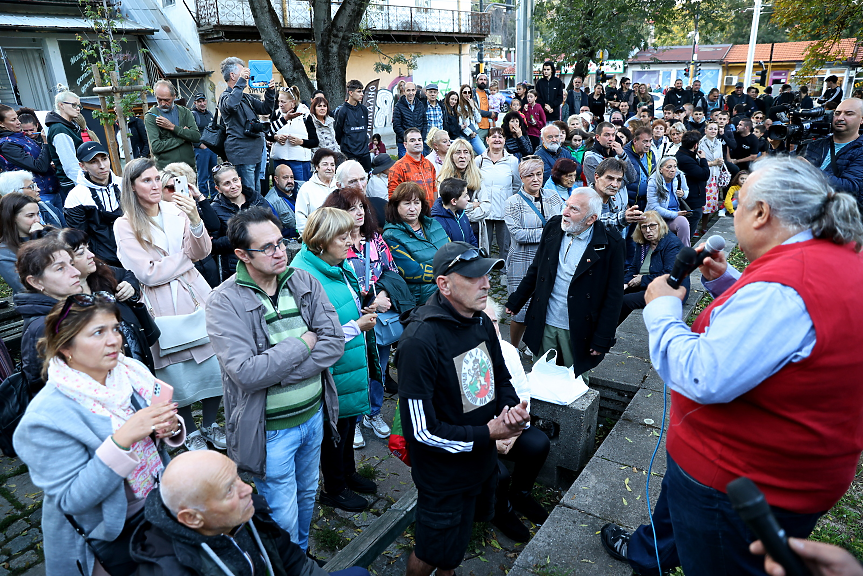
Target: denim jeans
[
  {"x": 248, "y": 173},
  {"x": 293, "y": 457},
  {"x": 205, "y": 160},
  {"x": 401, "y": 148},
  {"x": 376, "y": 389},
  {"x": 477, "y": 144},
  {"x": 302, "y": 170}
]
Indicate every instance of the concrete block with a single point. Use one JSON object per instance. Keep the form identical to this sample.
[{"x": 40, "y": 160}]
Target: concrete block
[
  {"x": 647, "y": 405},
  {"x": 612, "y": 492},
  {"x": 568, "y": 544},
  {"x": 632, "y": 343},
  {"x": 572, "y": 439},
  {"x": 632, "y": 444}
]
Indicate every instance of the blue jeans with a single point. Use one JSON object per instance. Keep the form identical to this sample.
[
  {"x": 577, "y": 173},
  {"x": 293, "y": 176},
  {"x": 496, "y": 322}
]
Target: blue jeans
[
  {"x": 707, "y": 534},
  {"x": 352, "y": 571},
  {"x": 293, "y": 457},
  {"x": 205, "y": 160},
  {"x": 250, "y": 174},
  {"x": 302, "y": 170},
  {"x": 477, "y": 144},
  {"x": 376, "y": 389},
  {"x": 401, "y": 149},
  {"x": 641, "y": 552}
]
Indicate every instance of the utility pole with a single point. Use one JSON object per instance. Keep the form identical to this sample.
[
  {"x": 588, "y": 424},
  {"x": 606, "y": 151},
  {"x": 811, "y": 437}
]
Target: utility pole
[
  {"x": 694, "y": 57},
  {"x": 479, "y": 52},
  {"x": 753, "y": 39},
  {"x": 524, "y": 42}
]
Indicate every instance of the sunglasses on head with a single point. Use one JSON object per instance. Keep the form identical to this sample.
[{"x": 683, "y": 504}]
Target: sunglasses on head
[
  {"x": 466, "y": 256},
  {"x": 218, "y": 167},
  {"x": 84, "y": 301}
]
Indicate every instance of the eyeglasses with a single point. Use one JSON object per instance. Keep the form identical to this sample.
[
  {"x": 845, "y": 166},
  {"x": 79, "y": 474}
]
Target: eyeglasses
[
  {"x": 221, "y": 166},
  {"x": 31, "y": 186},
  {"x": 270, "y": 249},
  {"x": 76, "y": 106},
  {"x": 84, "y": 301},
  {"x": 466, "y": 256},
  {"x": 650, "y": 226}
]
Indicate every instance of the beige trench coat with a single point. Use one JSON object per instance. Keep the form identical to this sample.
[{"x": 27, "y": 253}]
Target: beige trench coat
[{"x": 171, "y": 256}]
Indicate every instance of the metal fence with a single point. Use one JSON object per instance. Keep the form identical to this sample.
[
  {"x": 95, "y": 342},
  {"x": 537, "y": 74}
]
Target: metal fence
[{"x": 378, "y": 18}]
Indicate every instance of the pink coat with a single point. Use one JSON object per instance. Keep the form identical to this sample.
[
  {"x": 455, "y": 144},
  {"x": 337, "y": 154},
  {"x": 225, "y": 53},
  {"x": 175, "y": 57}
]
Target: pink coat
[{"x": 171, "y": 256}]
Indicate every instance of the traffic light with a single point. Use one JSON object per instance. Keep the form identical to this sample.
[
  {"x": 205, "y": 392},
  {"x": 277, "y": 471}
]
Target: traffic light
[
  {"x": 762, "y": 78},
  {"x": 477, "y": 70},
  {"x": 686, "y": 72},
  {"x": 697, "y": 69}
]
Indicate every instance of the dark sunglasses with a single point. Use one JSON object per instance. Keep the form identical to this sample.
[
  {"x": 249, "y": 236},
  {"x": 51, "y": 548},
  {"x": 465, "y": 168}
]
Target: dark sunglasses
[
  {"x": 466, "y": 256},
  {"x": 84, "y": 301}
]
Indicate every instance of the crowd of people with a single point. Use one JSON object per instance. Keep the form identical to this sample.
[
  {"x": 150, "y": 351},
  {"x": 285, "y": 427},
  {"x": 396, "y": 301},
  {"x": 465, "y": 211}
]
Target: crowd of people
[{"x": 145, "y": 292}]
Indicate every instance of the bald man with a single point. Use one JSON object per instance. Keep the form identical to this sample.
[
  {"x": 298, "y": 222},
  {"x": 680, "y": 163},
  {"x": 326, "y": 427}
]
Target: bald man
[
  {"x": 203, "y": 517},
  {"x": 840, "y": 155},
  {"x": 409, "y": 112}
]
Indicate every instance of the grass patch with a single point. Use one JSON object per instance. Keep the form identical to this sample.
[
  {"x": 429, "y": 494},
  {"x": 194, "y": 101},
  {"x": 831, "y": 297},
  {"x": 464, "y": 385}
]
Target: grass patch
[
  {"x": 548, "y": 570},
  {"x": 737, "y": 259},
  {"x": 843, "y": 525},
  {"x": 368, "y": 472},
  {"x": 329, "y": 539}
]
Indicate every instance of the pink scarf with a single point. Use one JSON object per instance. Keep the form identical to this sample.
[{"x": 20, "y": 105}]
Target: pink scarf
[{"x": 114, "y": 400}]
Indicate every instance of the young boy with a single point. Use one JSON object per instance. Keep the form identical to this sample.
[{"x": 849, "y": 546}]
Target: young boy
[
  {"x": 696, "y": 122},
  {"x": 448, "y": 210}
]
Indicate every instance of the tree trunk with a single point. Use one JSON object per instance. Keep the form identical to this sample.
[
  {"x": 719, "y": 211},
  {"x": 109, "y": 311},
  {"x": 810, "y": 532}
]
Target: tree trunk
[
  {"x": 333, "y": 44},
  {"x": 273, "y": 38}
]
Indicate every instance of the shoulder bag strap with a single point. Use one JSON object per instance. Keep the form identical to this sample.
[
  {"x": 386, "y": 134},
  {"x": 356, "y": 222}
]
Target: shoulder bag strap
[
  {"x": 367, "y": 278},
  {"x": 529, "y": 202},
  {"x": 833, "y": 158}
]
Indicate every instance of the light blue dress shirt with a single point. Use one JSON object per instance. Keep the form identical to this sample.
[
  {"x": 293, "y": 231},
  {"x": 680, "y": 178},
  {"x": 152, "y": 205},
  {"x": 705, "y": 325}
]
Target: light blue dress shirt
[
  {"x": 754, "y": 334},
  {"x": 572, "y": 248}
]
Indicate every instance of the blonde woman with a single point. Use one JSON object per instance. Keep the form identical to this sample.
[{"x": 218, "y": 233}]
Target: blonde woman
[
  {"x": 469, "y": 118},
  {"x": 159, "y": 242},
  {"x": 459, "y": 163},
  {"x": 293, "y": 134}
]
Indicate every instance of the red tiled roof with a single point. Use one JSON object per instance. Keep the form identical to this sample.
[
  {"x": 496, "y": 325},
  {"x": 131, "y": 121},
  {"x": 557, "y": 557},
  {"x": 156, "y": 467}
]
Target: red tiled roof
[
  {"x": 668, "y": 54},
  {"x": 785, "y": 51}
]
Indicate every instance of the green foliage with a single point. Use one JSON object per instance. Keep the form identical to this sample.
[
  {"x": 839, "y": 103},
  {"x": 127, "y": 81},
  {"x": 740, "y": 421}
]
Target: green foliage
[
  {"x": 105, "y": 49},
  {"x": 363, "y": 39},
  {"x": 726, "y": 23}
]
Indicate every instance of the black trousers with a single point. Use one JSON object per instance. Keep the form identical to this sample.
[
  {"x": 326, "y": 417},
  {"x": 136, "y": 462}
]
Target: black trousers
[
  {"x": 337, "y": 462},
  {"x": 631, "y": 301},
  {"x": 528, "y": 453}
]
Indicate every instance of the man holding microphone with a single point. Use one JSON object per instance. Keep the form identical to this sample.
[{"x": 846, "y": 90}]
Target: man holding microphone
[{"x": 763, "y": 385}]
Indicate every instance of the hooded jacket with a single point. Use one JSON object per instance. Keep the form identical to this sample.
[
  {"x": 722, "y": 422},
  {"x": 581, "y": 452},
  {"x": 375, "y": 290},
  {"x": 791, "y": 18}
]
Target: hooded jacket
[
  {"x": 93, "y": 208},
  {"x": 351, "y": 129},
  {"x": 456, "y": 226},
  {"x": 163, "y": 547},
  {"x": 594, "y": 156},
  {"x": 20, "y": 152},
  {"x": 64, "y": 137},
  {"x": 33, "y": 307},
  {"x": 458, "y": 382},
  {"x": 225, "y": 209}
]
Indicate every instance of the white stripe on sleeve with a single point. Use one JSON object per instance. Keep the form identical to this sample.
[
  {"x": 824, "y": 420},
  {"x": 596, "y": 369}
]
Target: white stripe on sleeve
[{"x": 421, "y": 433}]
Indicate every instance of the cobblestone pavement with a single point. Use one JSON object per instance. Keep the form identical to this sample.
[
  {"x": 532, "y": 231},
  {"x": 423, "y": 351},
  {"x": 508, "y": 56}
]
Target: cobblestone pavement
[{"x": 20, "y": 527}]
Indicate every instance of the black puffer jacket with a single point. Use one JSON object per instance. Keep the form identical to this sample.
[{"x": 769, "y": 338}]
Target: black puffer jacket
[
  {"x": 33, "y": 307},
  {"x": 404, "y": 118},
  {"x": 225, "y": 209},
  {"x": 163, "y": 547}
]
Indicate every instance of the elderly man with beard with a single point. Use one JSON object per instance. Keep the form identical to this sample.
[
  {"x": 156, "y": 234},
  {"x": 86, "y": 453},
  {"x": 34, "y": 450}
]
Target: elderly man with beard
[{"x": 574, "y": 311}]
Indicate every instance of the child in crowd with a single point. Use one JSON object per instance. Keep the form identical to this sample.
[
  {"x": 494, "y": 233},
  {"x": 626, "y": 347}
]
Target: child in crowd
[
  {"x": 448, "y": 210},
  {"x": 734, "y": 187},
  {"x": 376, "y": 146},
  {"x": 515, "y": 106},
  {"x": 495, "y": 99}
]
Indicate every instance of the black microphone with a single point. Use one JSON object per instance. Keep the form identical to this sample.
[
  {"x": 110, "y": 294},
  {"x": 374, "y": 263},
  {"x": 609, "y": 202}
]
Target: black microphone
[
  {"x": 687, "y": 260},
  {"x": 748, "y": 501}
]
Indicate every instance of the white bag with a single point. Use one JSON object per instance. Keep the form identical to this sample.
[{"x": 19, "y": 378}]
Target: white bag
[
  {"x": 553, "y": 383},
  {"x": 181, "y": 331}
]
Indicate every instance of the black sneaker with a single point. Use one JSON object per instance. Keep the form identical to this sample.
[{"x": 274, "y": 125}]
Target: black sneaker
[
  {"x": 528, "y": 506},
  {"x": 390, "y": 385},
  {"x": 348, "y": 501},
  {"x": 615, "y": 540},
  {"x": 362, "y": 485},
  {"x": 511, "y": 526}
]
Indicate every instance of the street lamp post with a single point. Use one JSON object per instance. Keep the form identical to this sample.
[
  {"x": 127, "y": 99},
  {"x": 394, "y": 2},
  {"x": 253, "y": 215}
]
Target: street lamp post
[{"x": 753, "y": 39}]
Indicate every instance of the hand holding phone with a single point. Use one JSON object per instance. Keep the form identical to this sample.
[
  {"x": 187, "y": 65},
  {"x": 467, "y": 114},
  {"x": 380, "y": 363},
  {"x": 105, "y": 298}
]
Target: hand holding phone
[
  {"x": 181, "y": 185},
  {"x": 162, "y": 392}
]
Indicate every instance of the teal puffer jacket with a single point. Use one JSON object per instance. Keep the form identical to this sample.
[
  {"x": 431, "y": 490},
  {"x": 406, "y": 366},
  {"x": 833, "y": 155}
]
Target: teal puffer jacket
[
  {"x": 351, "y": 372},
  {"x": 413, "y": 254}
]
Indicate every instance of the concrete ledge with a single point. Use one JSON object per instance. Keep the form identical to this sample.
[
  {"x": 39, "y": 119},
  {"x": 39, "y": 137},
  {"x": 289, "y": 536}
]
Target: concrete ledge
[
  {"x": 571, "y": 446},
  {"x": 631, "y": 444}
]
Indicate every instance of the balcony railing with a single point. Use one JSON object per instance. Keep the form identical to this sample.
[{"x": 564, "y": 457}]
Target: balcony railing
[{"x": 378, "y": 18}]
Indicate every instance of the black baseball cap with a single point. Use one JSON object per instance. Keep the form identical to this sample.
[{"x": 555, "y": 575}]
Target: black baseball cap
[
  {"x": 465, "y": 259},
  {"x": 88, "y": 150},
  {"x": 200, "y": 96}
]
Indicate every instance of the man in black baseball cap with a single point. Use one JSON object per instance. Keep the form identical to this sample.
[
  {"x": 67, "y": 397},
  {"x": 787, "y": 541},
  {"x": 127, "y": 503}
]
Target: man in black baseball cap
[
  {"x": 205, "y": 159},
  {"x": 454, "y": 385}
]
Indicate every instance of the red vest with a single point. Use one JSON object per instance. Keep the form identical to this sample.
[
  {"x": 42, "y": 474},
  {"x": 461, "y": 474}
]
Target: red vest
[{"x": 798, "y": 435}]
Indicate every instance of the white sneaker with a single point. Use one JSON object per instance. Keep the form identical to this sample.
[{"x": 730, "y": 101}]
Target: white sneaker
[
  {"x": 195, "y": 441},
  {"x": 377, "y": 424},
  {"x": 359, "y": 441},
  {"x": 216, "y": 435}
]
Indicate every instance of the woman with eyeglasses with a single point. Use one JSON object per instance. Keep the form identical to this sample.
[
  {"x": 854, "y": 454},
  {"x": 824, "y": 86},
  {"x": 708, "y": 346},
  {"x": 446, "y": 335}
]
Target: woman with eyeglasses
[
  {"x": 326, "y": 241},
  {"x": 666, "y": 189},
  {"x": 19, "y": 217},
  {"x": 94, "y": 439},
  {"x": 469, "y": 118},
  {"x": 655, "y": 252},
  {"x": 159, "y": 243},
  {"x": 23, "y": 182},
  {"x": 64, "y": 137},
  {"x": 18, "y": 151},
  {"x": 525, "y": 214},
  {"x": 373, "y": 264}
]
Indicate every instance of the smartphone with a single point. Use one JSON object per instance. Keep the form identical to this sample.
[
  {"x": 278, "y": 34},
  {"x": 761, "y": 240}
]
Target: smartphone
[
  {"x": 162, "y": 392},
  {"x": 370, "y": 295},
  {"x": 181, "y": 185}
]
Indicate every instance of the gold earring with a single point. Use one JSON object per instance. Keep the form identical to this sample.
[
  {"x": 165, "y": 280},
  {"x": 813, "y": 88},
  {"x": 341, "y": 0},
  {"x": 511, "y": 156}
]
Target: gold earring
[{"x": 69, "y": 359}]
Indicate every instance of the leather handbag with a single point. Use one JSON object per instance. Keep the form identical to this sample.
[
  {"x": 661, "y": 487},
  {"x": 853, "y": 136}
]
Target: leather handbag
[
  {"x": 388, "y": 329},
  {"x": 181, "y": 331},
  {"x": 149, "y": 328},
  {"x": 214, "y": 135},
  {"x": 14, "y": 398}
]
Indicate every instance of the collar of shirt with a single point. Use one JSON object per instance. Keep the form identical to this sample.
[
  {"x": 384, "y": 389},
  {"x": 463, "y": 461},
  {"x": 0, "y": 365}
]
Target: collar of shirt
[{"x": 800, "y": 237}]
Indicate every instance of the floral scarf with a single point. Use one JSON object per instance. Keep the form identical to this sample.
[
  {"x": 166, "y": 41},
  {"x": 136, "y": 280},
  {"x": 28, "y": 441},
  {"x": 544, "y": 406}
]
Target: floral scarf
[{"x": 114, "y": 401}]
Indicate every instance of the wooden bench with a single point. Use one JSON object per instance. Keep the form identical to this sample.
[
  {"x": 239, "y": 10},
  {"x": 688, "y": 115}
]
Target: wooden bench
[{"x": 11, "y": 325}]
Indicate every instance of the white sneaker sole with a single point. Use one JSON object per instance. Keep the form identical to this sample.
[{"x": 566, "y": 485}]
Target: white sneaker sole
[{"x": 373, "y": 429}]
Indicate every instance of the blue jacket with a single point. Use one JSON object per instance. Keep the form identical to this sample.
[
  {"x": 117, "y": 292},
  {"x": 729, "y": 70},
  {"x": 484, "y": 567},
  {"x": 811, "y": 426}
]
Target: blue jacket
[
  {"x": 661, "y": 262},
  {"x": 849, "y": 165},
  {"x": 632, "y": 186},
  {"x": 457, "y": 227},
  {"x": 548, "y": 160}
]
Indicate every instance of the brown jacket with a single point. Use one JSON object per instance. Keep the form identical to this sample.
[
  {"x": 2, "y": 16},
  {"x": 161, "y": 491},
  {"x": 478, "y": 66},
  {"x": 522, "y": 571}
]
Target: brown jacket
[
  {"x": 172, "y": 256},
  {"x": 250, "y": 365}
]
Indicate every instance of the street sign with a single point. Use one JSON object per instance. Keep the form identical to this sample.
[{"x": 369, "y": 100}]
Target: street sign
[
  {"x": 602, "y": 55},
  {"x": 609, "y": 67}
]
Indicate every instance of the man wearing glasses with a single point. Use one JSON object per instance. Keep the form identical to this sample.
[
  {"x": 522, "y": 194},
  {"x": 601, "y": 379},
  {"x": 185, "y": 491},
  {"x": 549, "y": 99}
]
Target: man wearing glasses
[
  {"x": 457, "y": 401},
  {"x": 275, "y": 334},
  {"x": 64, "y": 137}
]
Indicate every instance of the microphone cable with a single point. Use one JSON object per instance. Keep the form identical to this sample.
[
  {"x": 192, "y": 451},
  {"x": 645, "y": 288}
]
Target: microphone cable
[{"x": 650, "y": 471}]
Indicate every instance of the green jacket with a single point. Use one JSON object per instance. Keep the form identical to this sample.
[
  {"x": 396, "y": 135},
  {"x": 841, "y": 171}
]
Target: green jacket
[
  {"x": 413, "y": 255},
  {"x": 360, "y": 360},
  {"x": 177, "y": 145}
]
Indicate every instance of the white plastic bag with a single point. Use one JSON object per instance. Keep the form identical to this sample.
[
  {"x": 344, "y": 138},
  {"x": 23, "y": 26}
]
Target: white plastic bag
[{"x": 553, "y": 383}]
